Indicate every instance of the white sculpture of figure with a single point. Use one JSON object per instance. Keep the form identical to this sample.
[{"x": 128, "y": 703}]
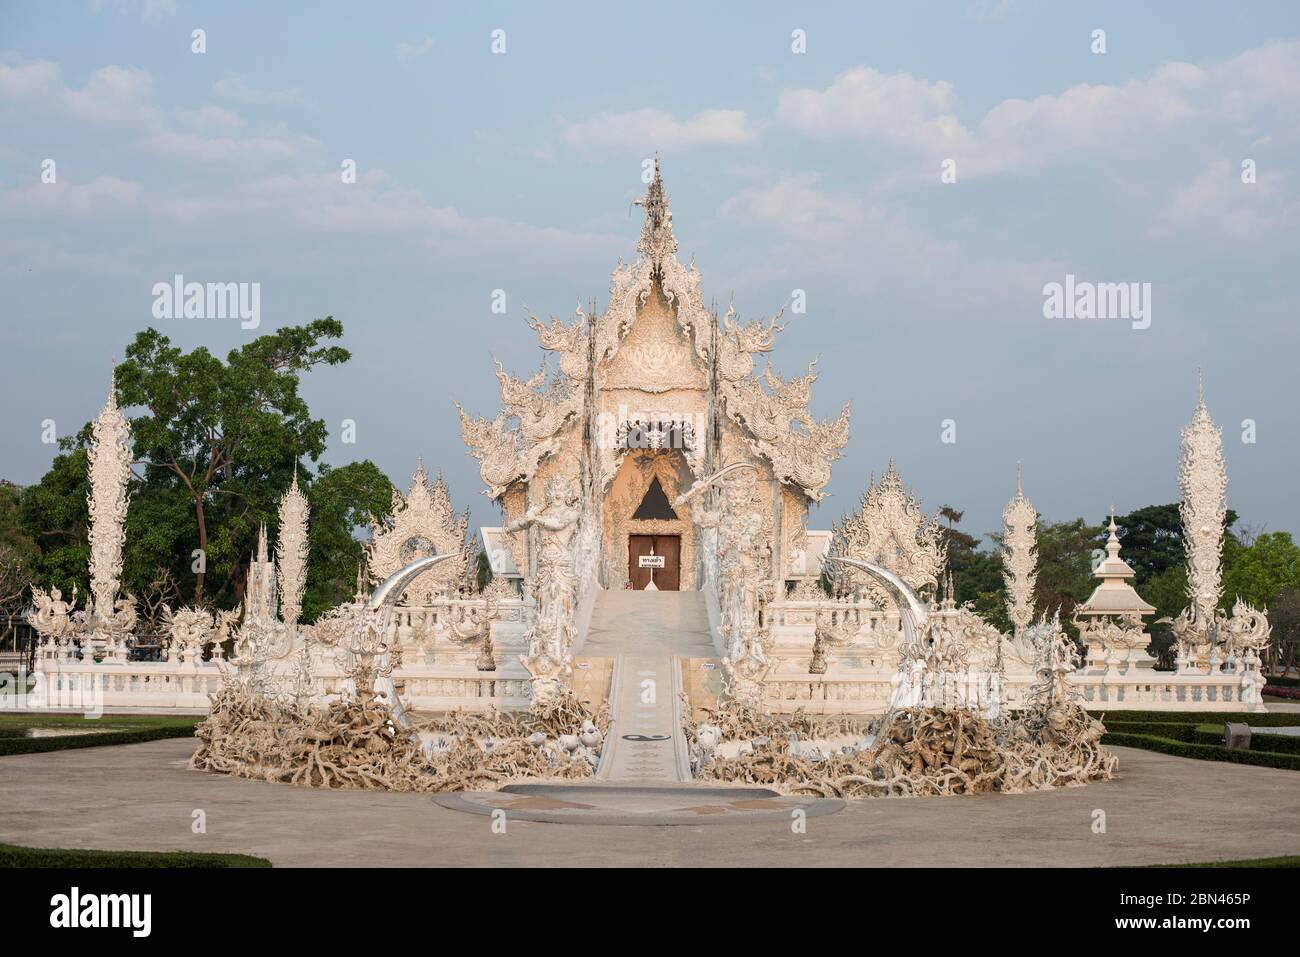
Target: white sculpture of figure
[
  {"x": 479, "y": 632},
  {"x": 51, "y": 616},
  {"x": 554, "y": 587},
  {"x": 190, "y": 630},
  {"x": 742, "y": 553}
]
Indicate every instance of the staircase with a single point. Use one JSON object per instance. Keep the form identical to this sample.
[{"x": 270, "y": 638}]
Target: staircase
[{"x": 647, "y": 633}]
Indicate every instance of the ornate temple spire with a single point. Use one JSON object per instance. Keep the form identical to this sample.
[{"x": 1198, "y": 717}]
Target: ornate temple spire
[
  {"x": 1114, "y": 596},
  {"x": 1019, "y": 557},
  {"x": 1203, "y": 480},
  {"x": 657, "y": 240},
  {"x": 291, "y": 551},
  {"x": 109, "y": 471}
]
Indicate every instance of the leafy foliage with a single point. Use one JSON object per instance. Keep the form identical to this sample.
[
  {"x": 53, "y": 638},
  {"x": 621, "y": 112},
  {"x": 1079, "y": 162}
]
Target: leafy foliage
[{"x": 342, "y": 500}]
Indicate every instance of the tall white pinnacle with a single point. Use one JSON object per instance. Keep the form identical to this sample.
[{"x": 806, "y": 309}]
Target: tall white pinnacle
[
  {"x": 291, "y": 551},
  {"x": 1019, "y": 557},
  {"x": 1203, "y": 480},
  {"x": 109, "y": 471}
]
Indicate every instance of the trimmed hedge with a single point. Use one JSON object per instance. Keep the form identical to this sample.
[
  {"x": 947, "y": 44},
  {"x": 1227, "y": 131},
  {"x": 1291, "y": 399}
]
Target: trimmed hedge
[
  {"x": 1282, "y": 681},
  {"x": 1274, "y": 743},
  {"x": 1205, "y": 752},
  {"x": 1271, "y": 720},
  {"x": 13, "y": 855},
  {"x": 1249, "y": 862},
  {"x": 65, "y": 742}
]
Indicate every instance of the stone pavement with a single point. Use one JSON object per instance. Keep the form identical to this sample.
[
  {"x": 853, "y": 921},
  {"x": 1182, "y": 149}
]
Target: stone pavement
[
  {"x": 647, "y": 634},
  {"x": 590, "y": 804},
  {"x": 1160, "y": 809}
]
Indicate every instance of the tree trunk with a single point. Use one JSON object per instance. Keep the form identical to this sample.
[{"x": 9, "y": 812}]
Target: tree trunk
[{"x": 201, "y": 575}]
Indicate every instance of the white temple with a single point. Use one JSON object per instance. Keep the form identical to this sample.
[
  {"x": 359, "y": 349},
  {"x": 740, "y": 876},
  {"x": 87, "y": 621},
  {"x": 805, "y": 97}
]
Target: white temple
[{"x": 664, "y": 455}]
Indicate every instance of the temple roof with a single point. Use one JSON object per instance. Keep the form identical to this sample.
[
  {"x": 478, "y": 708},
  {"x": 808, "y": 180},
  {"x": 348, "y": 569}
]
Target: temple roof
[
  {"x": 772, "y": 412},
  {"x": 1114, "y": 595}
]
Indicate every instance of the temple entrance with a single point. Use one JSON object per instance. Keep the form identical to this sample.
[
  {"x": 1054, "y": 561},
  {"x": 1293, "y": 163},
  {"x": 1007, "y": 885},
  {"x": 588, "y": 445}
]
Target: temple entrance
[{"x": 654, "y": 559}]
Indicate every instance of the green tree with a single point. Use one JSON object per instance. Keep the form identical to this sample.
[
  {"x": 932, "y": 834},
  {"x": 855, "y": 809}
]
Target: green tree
[
  {"x": 225, "y": 436},
  {"x": 1066, "y": 551},
  {"x": 53, "y": 513},
  {"x": 976, "y": 572},
  {"x": 18, "y": 552},
  {"x": 342, "y": 500},
  {"x": 1259, "y": 572}
]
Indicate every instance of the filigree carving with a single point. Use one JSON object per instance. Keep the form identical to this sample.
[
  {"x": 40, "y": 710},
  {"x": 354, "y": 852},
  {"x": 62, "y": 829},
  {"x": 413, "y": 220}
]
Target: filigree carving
[
  {"x": 772, "y": 411},
  {"x": 1203, "y": 481},
  {"x": 551, "y": 636},
  {"x": 109, "y": 471},
  {"x": 421, "y": 522},
  {"x": 291, "y": 552},
  {"x": 890, "y": 530},
  {"x": 1019, "y": 558}
]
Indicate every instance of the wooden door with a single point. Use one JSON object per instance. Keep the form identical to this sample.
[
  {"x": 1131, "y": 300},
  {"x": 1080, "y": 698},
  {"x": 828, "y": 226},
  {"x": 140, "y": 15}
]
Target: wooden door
[{"x": 668, "y": 547}]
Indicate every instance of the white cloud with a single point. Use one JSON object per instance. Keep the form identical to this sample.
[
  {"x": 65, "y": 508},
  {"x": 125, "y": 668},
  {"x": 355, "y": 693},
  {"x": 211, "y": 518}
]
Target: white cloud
[
  {"x": 899, "y": 109},
  {"x": 102, "y": 194},
  {"x": 149, "y": 9},
  {"x": 1018, "y": 135},
  {"x": 235, "y": 88},
  {"x": 112, "y": 96},
  {"x": 1217, "y": 206},
  {"x": 410, "y": 49},
  {"x": 222, "y": 148},
  {"x": 650, "y": 129},
  {"x": 212, "y": 117},
  {"x": 873, "y": 250}
]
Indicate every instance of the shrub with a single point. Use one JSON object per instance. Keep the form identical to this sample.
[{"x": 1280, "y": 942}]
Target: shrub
[
  {"x": 12, "y": 855},
  {"x": 1205, "y": 752},
  {"x": 61, "y": 743}
]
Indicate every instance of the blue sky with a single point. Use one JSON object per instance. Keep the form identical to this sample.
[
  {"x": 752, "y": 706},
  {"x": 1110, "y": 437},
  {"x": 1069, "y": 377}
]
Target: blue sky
[{"x": 817, "y": 171}]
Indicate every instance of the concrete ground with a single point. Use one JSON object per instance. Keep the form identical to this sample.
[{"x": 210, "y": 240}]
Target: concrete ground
[{"x": 142, "y": 797}]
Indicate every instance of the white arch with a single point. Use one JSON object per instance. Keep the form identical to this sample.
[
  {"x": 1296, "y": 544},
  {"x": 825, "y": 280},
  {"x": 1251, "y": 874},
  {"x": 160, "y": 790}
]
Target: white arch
[
  {"x": 911, "y": 609},
  {"x": 383, "y": 599}
]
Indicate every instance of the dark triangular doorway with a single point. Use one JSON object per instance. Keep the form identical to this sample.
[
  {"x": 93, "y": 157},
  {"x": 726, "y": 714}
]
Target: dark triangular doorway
[{"x": 655, "y": 504}]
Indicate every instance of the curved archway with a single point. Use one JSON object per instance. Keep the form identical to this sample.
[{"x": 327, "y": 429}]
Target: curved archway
[
  {"x": 382, "y": 601},
  {"x": 911, "y": 609}
]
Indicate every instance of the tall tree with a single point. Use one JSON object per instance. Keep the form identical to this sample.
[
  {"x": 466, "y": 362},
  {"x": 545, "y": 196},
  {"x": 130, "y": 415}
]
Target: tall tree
[
  {"x": 343, "y": 501},
  {"x": 976, "y": 572},
  {"x": 1066, "y": 551},
  {"x": 219, "y": 430},
  {"x": 1260, "y": 572}
]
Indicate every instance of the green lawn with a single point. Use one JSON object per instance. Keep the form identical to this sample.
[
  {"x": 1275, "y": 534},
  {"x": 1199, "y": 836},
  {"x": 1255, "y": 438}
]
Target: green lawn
[
  {"x": 97, "y": 732},
  {"x": 12, "y": 855}
]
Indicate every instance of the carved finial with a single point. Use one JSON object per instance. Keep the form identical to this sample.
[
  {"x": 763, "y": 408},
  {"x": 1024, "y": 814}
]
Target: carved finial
[
  {"x": 261, "y": 543},
  {"x": 657, "y": 240},
  {"x": 1200, "y": 386},
  {"x": 1019, "y": 557}
]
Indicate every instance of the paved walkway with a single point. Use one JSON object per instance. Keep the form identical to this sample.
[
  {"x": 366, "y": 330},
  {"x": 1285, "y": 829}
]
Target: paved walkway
[
  {"x": 647, "y": 633},
  {"x": 1161, "y": 809}
]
